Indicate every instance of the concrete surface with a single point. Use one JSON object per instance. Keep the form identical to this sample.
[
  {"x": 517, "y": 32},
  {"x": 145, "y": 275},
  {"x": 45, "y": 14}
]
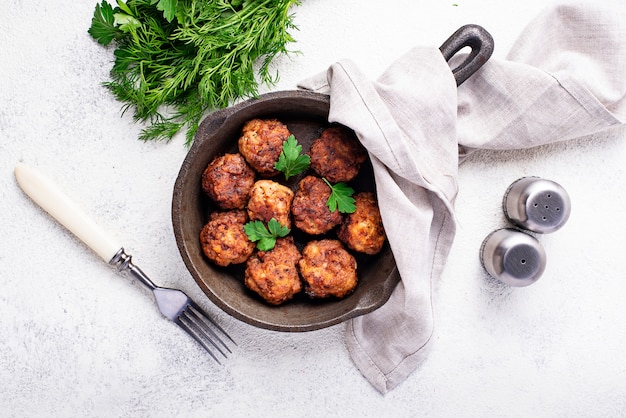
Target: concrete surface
[{"x": 77, "y": 339}]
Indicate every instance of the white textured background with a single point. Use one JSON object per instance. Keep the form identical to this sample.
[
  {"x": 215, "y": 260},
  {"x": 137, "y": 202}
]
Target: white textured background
[{"x": 77, "y": 339}]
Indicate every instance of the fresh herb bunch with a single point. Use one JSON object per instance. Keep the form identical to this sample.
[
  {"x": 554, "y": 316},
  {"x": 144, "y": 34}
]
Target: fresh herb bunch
[
  {"x": 265, "y": 237},
  {"x": 291, "y": 160},
  {"x": 177, "y": 59}
]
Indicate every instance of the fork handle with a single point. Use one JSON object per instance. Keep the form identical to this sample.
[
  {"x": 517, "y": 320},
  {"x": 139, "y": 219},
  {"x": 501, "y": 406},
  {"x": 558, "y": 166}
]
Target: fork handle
[{"x": 52, "y": 199}]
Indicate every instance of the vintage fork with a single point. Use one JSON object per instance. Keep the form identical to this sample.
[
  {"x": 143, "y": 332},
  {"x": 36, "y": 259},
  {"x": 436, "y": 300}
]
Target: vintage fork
[{"x": 174, "y": 304}]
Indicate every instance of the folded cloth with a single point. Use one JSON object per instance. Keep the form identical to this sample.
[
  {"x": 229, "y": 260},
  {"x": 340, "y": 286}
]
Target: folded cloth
[{"x": 415, "y": 124}]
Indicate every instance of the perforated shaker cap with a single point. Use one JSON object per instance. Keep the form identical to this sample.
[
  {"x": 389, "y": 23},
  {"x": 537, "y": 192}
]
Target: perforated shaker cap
[
  {"x": 513, "y": 257},
  {"x": 537, "y": 204}
]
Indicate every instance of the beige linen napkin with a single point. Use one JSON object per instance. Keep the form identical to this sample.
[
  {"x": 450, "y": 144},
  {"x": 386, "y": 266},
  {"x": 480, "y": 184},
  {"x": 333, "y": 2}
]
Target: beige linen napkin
[{"x": 564, "y": 78}]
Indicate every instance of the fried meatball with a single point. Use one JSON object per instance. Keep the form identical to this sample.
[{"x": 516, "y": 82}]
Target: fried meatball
[
  {"x": 273, "y": 274},
  {"x": 227, "y": 180},
  {"x": 337, "y": 154},
  {"x": 310, "y": 213},
  {"x": 327, "y": 269},
  {"x": 363, "y": 230},
  {"x": 269, "y": 199},
  {"x": 261, "y": 143},
  {"x": 223, "y": 239}
]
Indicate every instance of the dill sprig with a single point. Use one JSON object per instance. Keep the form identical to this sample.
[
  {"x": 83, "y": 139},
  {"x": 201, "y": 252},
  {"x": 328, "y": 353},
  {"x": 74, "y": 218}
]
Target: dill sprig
[{"x": 177, "y": 59}]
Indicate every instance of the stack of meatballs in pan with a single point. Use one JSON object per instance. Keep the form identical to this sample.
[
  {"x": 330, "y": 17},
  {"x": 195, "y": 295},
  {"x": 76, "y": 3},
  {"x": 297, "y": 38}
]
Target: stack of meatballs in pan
[{"x": 247, "y": 187}]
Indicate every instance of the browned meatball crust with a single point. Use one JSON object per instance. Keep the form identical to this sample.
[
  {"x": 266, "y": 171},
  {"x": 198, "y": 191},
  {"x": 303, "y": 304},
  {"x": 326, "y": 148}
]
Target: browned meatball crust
[
  {"x": 363, "y": 229},
  {"x": 337, "y": 154},
  {"x": 261, "y": 143},
  {"x": 327, "y": 269},
  {"x": 273, "y": 274},
  {"x": 223, "y": 239},
  {"x": 310, "y": 213},
  {"x": 227, "y": 180},
  {"x": 269, "y": 199}
]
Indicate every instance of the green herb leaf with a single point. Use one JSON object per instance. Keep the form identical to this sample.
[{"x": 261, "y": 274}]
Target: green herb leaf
[
  {"x": 168, "y": 7},
  {"x": 103, "y": 27},
  {"x": 265, "y": 239},
  {"x": 126, "y": 22},
  {"x": 124, "y": 7},
  {"x": 291, "y": 160},
  {"x": 340, "y": 198},
  {"x": 277, "y": 229}
]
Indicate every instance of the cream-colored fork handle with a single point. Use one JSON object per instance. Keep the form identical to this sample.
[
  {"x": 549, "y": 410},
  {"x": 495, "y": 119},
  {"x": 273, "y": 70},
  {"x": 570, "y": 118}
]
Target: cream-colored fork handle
[{"x": 50, "y": 197}]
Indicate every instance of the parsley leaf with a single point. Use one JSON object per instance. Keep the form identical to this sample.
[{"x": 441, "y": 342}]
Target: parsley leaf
[
  {"x": 265, "y": 239},
  {"x": 340, "y": 198},
  {"x": 103, "y": 27},
  {"x": 124, "y": 7},
  {"x": 168, "y": 7},
  {"x": 126, "y": 22},
  {"x": 291, "y": 160}
]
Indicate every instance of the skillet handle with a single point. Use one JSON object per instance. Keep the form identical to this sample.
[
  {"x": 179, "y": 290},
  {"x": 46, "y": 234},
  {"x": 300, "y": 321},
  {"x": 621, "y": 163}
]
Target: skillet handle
[{"x": 475, "y": 37}]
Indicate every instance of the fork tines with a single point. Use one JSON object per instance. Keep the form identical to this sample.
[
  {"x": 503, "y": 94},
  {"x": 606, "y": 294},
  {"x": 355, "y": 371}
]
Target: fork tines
[{"x": 200, "y": 326}]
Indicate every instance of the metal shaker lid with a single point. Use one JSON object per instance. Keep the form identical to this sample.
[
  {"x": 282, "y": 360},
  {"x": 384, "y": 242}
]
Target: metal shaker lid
[
  {"x": 537, "y": 204},
  {"x": 513, "y": 257}
]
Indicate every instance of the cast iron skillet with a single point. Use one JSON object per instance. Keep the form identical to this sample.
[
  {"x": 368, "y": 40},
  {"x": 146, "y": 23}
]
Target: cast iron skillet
[{"x": 305, "y": 114}]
